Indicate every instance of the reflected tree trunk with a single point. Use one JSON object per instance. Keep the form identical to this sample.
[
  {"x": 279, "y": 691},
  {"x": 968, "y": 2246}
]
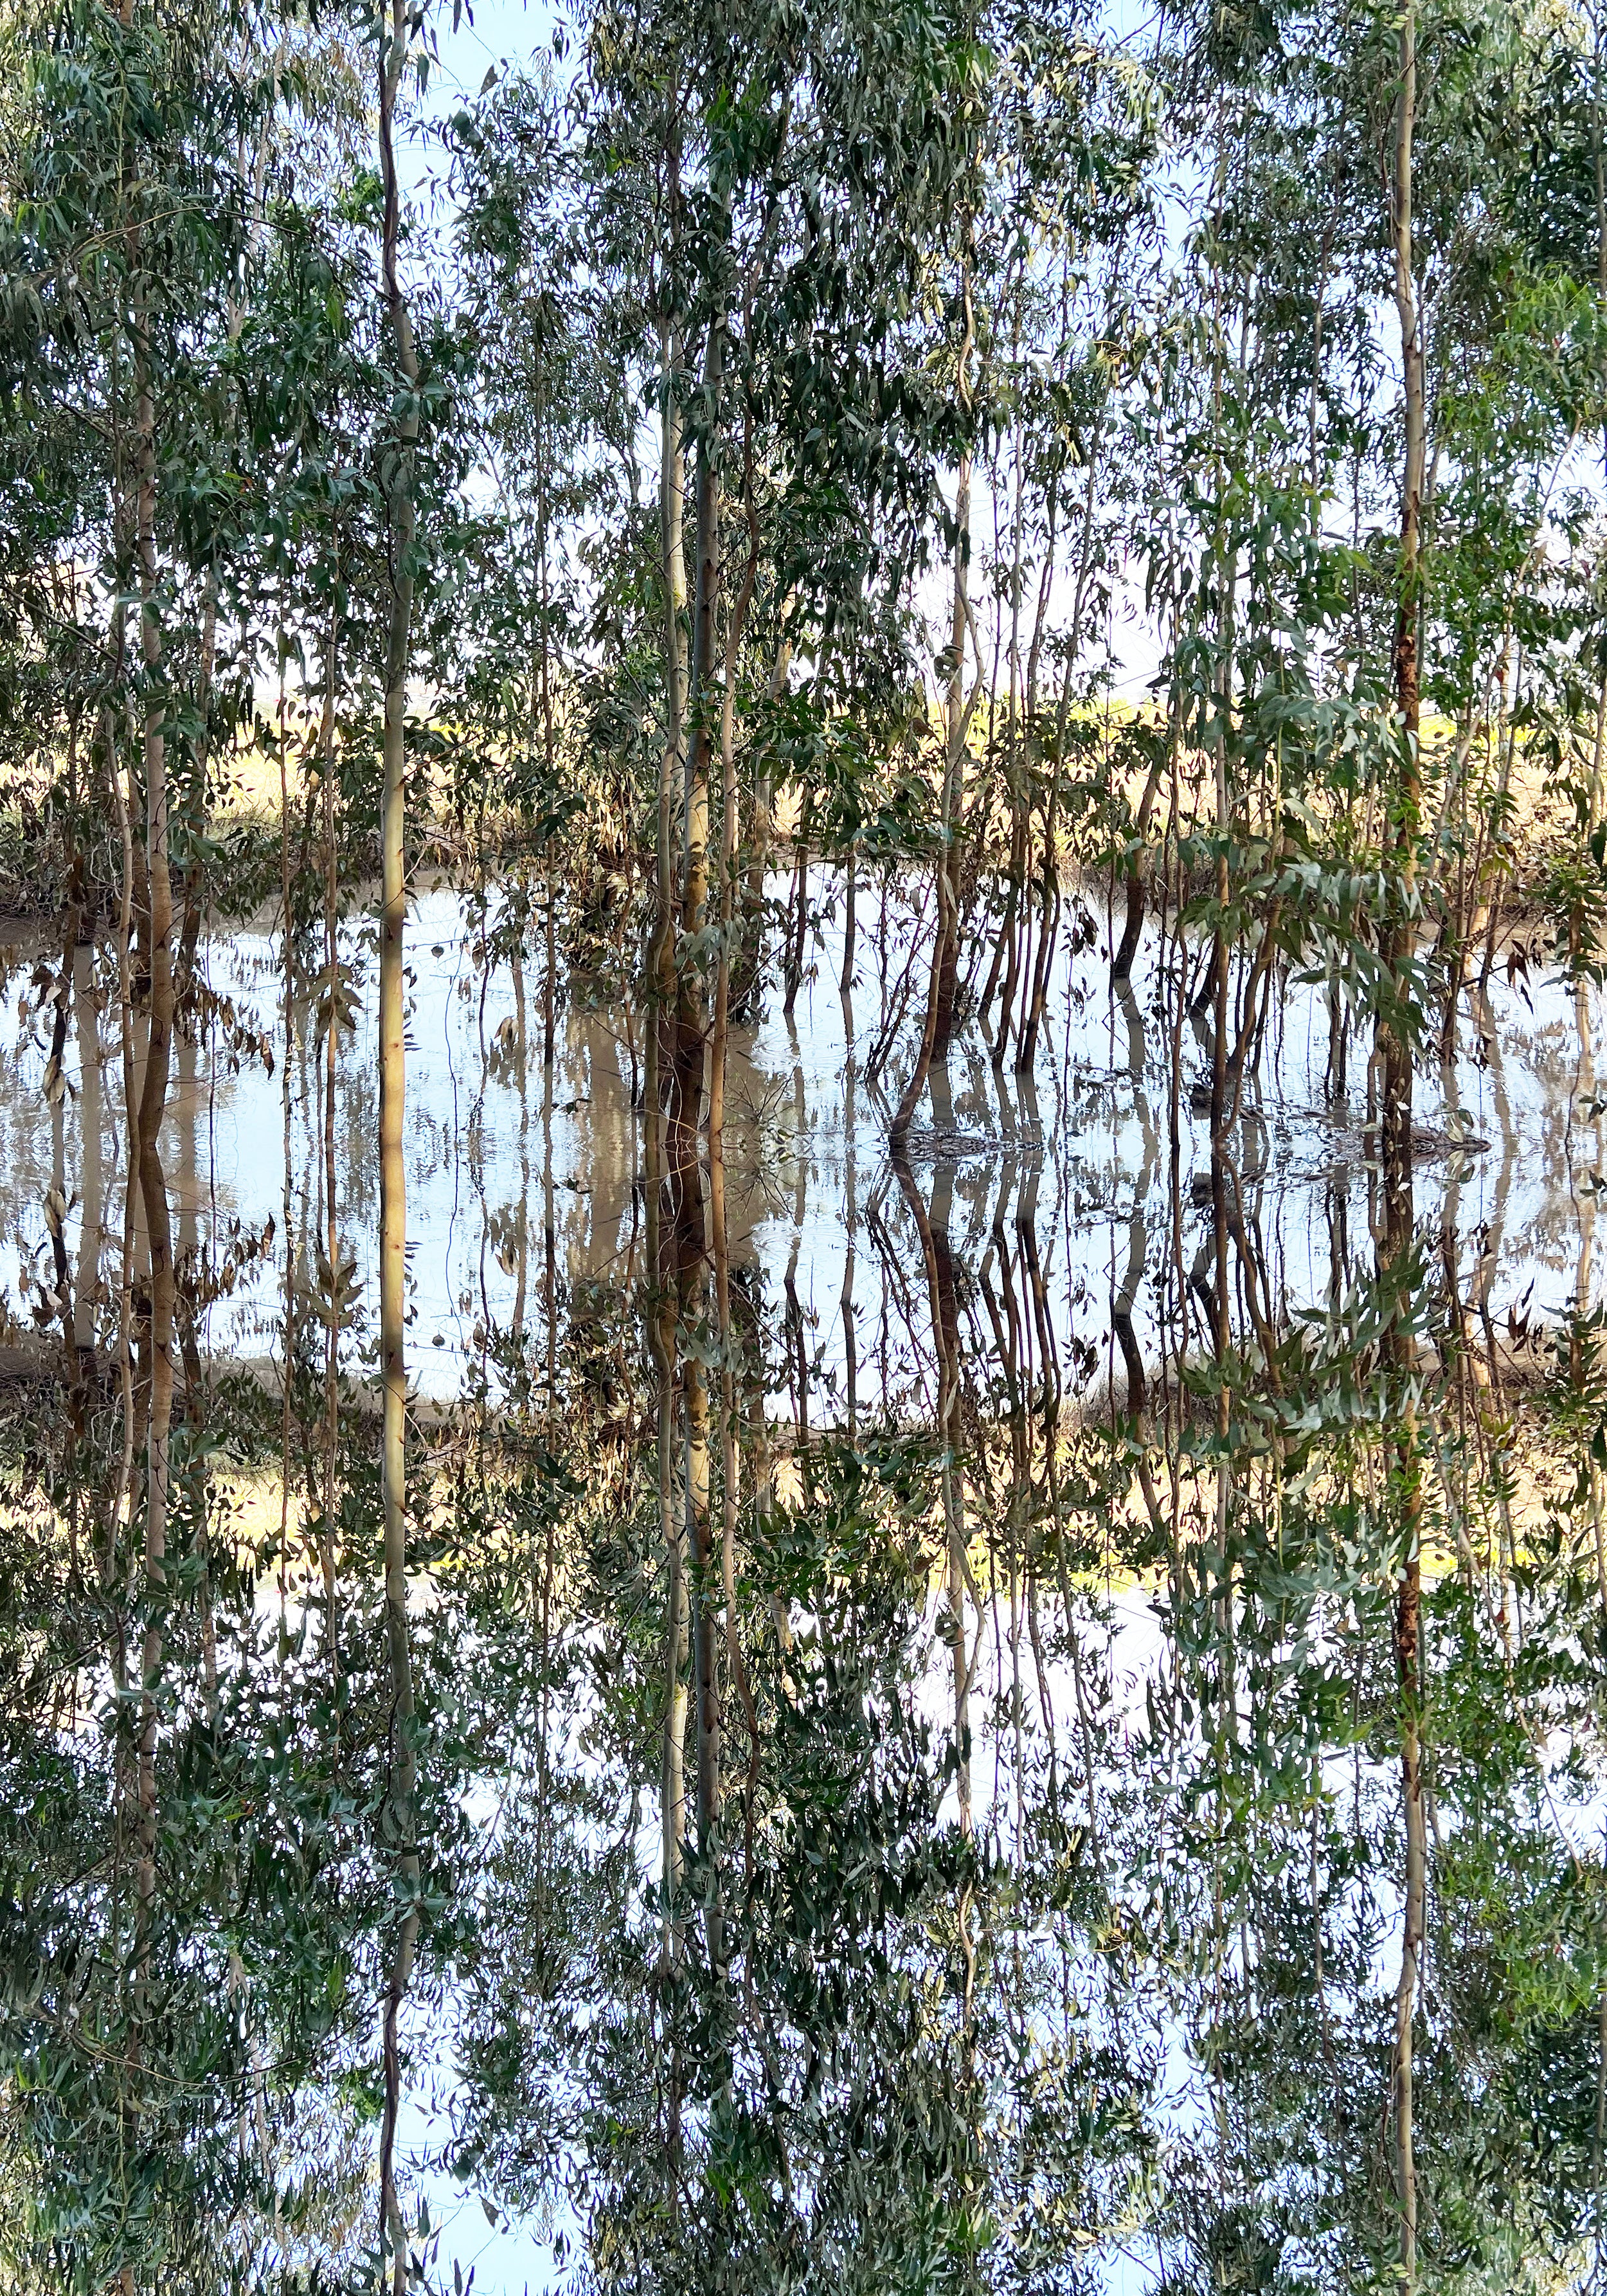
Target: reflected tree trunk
[
  {"x": 699, "y": 1549},
  {"x": 87, "y": 1011},
  {"x": 660, "y": 1317}
]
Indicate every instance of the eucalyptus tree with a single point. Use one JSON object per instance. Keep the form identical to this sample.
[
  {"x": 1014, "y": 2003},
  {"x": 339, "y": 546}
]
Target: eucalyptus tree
[
  {"x": 561, "y": 450},
  {"x": 119, "y": 178},
  {"x": 1439, "y": 253},
  {"x": 165, "y": 264},
  {"x": 732, "y": 193},
  {"x": 129, "y": 220},
  {"x": 781, "y": 256}
]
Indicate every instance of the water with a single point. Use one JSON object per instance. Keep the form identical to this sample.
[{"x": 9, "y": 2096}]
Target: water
[
  {"x": 1047, "y": 1930},
  {"x": 1081, "y": 1148}
]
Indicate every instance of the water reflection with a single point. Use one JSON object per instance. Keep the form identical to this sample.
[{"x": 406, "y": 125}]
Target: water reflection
[
  {"x": 1075, "y": 1145},
  {"x": 907, "y": 1651}
]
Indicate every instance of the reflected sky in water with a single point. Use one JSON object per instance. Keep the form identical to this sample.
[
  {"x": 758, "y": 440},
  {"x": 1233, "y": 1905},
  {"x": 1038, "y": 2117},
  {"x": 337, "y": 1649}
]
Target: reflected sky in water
[{"x": 1081, "y": 1150}]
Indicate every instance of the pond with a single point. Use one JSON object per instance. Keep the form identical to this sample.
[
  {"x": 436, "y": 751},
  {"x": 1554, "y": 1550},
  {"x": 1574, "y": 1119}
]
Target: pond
[{"x": 913, "y": 1744}]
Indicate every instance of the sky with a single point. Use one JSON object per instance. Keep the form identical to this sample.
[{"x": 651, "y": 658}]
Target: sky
[{"x": 499, "y": 32}]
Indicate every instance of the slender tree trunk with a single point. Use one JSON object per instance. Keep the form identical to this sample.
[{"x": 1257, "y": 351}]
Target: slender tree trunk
[
  {"x": 1049, "y": 921},
  {"x": 660, "y": 1084},
  {"x": 938, "y": 1024},
  {"x": 660, "y": 1319},
  {"x": 760, "y": 835},
  {"x": 735, "y": 627},
  {"x": 661, "y": 957},
  {"x": 549, "y": 748},
  {"x": 673, "y": 1799},
  {"x": 729, "y": 808},
  {"x": 125, "y": 982},
  {"x": 193, "y": 905},
  {"x": 332, "y": 1234},
  {"x": 145, "y": 882},
  {"x": 957, "y": 725},
  {"x": 798, "y": 910},
  {"x": 87, "y": 1012},
  {"x": 1399, "y": 1350},
  {"x": 694, "y": 1391},
  {"x": 691, "y": 1032},
  {"x": 393, "y": 1208},
  {"x": 686, "y": 1119},
  {"x": 1127, "y": 949},
  {"x": 1408, "y": 807},
  {"x": 931, "y": 1230},
  {"x": 152, "y": 1103}
]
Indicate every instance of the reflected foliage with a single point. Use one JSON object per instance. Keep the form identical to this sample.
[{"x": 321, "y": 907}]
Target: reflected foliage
[{"x": 1044, "y": 1910}]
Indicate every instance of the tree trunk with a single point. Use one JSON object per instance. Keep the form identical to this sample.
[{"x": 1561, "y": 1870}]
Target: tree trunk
[
  {"x": 948, "y": 954},
  {"x": 1408, "y": 808},
  {"x": 1399, "y": 1349},
  {"x": 152, "y": 1102},
  {"x": 1121, "y": 964},
  {"x": 393, "y": 1208},
  {"x": 937, "y": 1025},
  {"x": 661, "y": 955},
  {"x": 726, "y": 862},
  {"x": 760, "y": 831},
  {"x": 691, "y": 1039},
  {"x": 691, "y": 1031},
  {"x": 332, "y": 1240}
]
